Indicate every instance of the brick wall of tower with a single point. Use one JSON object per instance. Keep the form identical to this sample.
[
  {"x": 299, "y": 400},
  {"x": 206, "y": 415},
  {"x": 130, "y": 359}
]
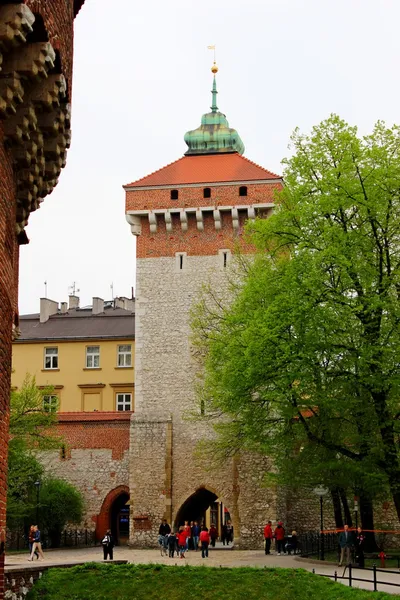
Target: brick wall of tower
[
  {"x": 58, "y": 17},
  {"x": 192, "y": 241},
  {"x": 8, "y": 299}
]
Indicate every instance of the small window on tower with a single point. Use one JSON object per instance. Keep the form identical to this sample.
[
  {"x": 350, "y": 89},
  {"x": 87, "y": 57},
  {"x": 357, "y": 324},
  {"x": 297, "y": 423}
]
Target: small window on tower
[
  {"x": 207, "y": 193},
  {"x": 243, "y": 190},
  {"x": 174, "y": 194}
]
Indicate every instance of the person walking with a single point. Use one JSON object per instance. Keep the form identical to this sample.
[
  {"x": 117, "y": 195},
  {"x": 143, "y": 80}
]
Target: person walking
[
  {"x": 172, "y": 544},
  {"x": 37, "y": 544},
  {"x": 360, "y": 544},
  {"x": 205, "y": 541},
  {"x": 213, "y": 534},
  {"x": 229, "y": 533},
  {"x": 195, "y": 535},
  {"x": 182, "y": 539},
  {"x": 108, "y": 545},
  {"x": 188, "y": 533},
  {"x": 345, "y": 543},
  {"x": 31, "y": 539},
  {"x": 163, "y": 531},
  {"x": 268, "y": 535},
  {"x": 279, "y": 535},
  {"x": 292, "y": 543}
]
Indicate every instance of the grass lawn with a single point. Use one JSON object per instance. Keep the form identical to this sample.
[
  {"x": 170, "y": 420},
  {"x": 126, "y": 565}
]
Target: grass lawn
[{"x": 95, "y": 581}]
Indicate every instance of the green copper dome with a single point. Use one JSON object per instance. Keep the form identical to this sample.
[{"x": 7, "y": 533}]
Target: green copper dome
[{"x": 214, "y": 134}]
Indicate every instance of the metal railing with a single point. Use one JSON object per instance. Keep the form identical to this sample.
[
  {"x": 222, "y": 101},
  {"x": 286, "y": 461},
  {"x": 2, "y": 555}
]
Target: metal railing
[
  {"x": 351, "y": 577},
  {"x": 309, "y": 544},
  {"x": 70, "y": 538}
]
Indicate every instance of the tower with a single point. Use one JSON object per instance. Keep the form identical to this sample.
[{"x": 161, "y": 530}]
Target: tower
[{"x": 188, "y": 217}]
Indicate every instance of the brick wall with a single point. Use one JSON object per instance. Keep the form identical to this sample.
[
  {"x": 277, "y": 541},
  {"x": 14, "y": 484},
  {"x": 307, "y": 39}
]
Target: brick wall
[
  {"x": 192, "y": 241},
  {"x": 58, "y": 17},
  {"x": 8, "y": 296}
]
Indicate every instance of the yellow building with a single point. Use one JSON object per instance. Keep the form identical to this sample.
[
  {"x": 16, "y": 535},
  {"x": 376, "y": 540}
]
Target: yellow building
[{"x": 86, "y": 354}]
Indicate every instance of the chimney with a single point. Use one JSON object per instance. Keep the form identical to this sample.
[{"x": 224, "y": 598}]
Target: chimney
[
  {"x": 73, "y": 302},
  {"x": 64, "y": 307},
  {"x": 47, "y": 308},
  {"x": 129, "y": 304},
  {"x": 118, "y": 303},
  {"x": 97, "y": 306},
  {"x": 126, "y": 303}
]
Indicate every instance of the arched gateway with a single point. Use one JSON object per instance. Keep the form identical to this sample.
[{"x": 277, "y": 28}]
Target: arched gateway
[
  {"x": 114, "y": 515},
  {"x": 188, "y": 218}
]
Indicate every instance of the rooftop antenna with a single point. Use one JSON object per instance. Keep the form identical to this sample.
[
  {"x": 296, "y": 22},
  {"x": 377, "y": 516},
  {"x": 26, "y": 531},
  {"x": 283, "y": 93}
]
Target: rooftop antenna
[
  {"x": 73, "y": 289},
  {"x": 45, "y": 289},
  {"x": 112, "y": 291}
]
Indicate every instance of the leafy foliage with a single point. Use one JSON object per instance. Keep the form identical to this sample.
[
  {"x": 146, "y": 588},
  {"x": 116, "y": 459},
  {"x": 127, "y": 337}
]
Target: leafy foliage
[
  {"x": 61, "y": 503},
  {"x": 305, "y": 360}
]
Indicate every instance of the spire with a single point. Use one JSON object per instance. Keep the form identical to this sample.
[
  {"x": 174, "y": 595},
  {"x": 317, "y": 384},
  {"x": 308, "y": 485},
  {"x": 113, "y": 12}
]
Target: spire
[
  {"x": 214, "y": 134},
  {"x": 214, "y": 107}
]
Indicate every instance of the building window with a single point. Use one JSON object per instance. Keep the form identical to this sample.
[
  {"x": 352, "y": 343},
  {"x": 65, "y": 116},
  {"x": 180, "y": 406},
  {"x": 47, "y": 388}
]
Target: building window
[
  {"x": 92, "y": 357},
  {"x": 50, "y": 404},
  {"x": 243, "y": 190},
  {"x": 51, "y": 358},
  {"x": 124, "y": 401},
  {"x": 125, "y": 355},
  {"x": 174, "y": 194},
  {"x": 207, "y": 193}
]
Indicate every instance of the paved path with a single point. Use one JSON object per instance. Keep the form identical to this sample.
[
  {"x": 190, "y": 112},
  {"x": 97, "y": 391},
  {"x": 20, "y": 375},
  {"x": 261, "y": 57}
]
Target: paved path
[{"x": 220, "y": 557}]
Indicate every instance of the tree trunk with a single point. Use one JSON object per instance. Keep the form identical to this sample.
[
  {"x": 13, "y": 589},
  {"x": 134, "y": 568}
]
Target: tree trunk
[
  {"x": 337, "y": 508},
  {"x": 367, "y": 522},
  {"x": 346, "y": 510}
]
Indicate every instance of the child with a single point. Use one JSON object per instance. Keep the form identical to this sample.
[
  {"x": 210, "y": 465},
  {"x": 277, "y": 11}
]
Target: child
[
  {"x": 182, "y": 541},
  {"x": 172, "y": 544}
]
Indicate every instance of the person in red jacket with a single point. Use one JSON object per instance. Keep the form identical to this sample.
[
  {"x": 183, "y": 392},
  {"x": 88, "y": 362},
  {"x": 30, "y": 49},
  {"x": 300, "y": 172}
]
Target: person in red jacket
[
  {"x": 279, "y": 535},
  {"x": 182, "y": 541},
  {"x": 268, "y": 535},
  {"x": 205, "y": 541}
]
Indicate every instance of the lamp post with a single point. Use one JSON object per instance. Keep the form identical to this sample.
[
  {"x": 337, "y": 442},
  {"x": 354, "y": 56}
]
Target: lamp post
[
  {"x": 37, "y": 485},
  {"x": 321, "y": 491}
]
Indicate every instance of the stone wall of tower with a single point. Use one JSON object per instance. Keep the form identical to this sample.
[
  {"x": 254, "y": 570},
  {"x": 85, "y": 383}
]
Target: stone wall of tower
[{"x": 167, "y": 425}]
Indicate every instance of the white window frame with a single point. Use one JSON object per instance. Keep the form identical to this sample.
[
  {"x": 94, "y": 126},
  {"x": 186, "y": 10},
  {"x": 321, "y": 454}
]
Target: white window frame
[
  {"x": 53, "y": 356},
  {"x": 122, "y": 356},
  {"x": 50, "y": 403},
  {"x": 91, "y": 356},
  {"x": 121, "y": 400}
]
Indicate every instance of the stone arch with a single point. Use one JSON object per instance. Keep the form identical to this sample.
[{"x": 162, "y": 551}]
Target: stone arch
[
  {"x": 104, "y": 517},
  {"x": 194, "y": 506}
]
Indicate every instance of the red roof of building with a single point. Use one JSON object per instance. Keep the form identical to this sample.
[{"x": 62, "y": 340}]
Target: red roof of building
[{"x": 206, "y": 168}]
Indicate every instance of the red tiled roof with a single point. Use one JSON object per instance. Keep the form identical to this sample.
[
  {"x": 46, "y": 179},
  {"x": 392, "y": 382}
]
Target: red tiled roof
[{"x": 206, "y": 168}]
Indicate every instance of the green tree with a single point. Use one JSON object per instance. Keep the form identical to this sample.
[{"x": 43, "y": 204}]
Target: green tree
[
  {"x": 305, "y": 359},
  {"x": 32, "y": 428},
  {"x": 60, "y": 503}
]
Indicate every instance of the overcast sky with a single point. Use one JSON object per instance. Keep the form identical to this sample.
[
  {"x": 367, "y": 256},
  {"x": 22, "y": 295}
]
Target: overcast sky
[{"x": 142, "y": 79}]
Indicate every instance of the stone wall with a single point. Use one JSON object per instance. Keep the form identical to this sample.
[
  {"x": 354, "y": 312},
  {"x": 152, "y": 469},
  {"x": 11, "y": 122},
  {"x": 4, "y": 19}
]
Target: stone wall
[
  {"x": 165, "y": 393},
  {"x": 95, "y": 460}
]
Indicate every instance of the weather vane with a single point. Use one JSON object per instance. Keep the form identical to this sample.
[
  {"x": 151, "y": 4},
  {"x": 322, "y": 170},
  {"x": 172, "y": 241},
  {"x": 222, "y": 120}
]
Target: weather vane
[{"x": 213, "y": 48}]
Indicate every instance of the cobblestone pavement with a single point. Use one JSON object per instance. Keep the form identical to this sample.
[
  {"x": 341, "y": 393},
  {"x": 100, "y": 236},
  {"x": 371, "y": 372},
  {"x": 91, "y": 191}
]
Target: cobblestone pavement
[{"x": 217, "y": 558}]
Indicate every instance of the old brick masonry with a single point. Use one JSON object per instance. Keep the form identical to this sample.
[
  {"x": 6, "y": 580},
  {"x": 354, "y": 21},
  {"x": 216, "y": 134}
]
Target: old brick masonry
[{"x": 36, "y": 49}]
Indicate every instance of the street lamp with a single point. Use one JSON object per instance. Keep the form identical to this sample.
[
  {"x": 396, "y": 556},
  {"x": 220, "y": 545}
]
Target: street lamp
[
  {"x": 321, "y": 491},
  {"x": 37, "y": 485}
]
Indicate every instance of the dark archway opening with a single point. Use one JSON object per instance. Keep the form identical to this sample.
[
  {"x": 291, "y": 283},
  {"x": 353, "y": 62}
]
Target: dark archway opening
[
  {"x": 119, "y": 519},
  {"x": 195, "y": 507}
]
